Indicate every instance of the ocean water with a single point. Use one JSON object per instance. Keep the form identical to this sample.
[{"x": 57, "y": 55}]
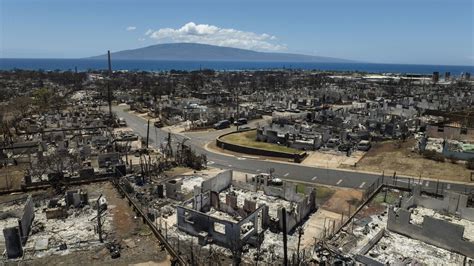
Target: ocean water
[{"x": 151, "y": 65}]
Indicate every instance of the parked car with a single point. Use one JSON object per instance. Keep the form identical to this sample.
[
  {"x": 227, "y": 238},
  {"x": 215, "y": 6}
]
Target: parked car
[
  {"x": 240, "y": 121},
  {"x": 158, "y": 123},
  {"x": 243, "y": 128},
  {"x": 129, "y": 137},
  {"x": 122, "y": 122},
  {"x": 364, "y": 145},
  {"x": 332, "y": 143},
  {"x": 222, "y": 124}
]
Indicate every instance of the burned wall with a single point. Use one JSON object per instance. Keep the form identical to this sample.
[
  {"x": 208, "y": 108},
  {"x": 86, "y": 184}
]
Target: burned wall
[
  {"x": 452, "y": 203},
  {"x": 201, "y": 201},
  {"x": 208, "y": 228},
  {"x": 433, "y": 231},
  {"x": 13, "y": 246},
  {"x": 173, "y": 189},
  {"x": 287, "y": 192},
  {"x": 16, "y": 236},
  {"x": 224, "y": 233},
  {"x": 299, "y": 211},
  {"x": 218, "y": 183},
  {"x": 26, "y": 219},
  {"x": 108, "y": 159},
  {"x": 249, "y": 186}
]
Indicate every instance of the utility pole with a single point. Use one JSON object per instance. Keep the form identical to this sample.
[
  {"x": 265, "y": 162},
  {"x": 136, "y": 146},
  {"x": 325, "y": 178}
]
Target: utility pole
[
  {"x": 147, "y": 133},
  {"x": 192, "y": 252},
  {"x": 109, "y": 92},
  {"x": 285, "y": 237},
  {"x": 300, "y": 233},
  {"x": 99, "y": 220},
  {"x": 238, "y": 108},
  {"x": 169, "y": 149},
  {"x": 76, "y": 83}
]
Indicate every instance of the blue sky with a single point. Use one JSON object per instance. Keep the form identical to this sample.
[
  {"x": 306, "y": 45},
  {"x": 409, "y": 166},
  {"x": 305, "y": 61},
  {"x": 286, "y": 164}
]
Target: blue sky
[{"x": 383, "y": 31}]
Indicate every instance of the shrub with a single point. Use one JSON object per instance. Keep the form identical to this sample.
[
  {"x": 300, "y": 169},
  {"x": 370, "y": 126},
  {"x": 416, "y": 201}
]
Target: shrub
[
  {"x": 453, "y": 160},
  {"x": 470, "y": 164},
  {"x": 432, "y": 155}
]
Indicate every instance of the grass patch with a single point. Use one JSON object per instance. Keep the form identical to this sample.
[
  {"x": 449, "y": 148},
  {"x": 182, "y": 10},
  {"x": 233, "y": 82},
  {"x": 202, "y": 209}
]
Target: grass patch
[
  {"x": 249, "y": 139},
  {"x": 144, "y": 230},
  {"x": 391, "y": 199},
  {"x": 322, "y": 193},
  {"x": 300, "y": 188}
]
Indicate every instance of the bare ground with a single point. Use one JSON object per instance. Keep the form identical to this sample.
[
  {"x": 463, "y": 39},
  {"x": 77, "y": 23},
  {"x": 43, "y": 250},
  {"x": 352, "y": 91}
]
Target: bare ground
[
  {"x": 137, "y": 242},
  {"x": 342, "y": 200},
  {"x": 12, "y": 176},
  {"x": 388, "y": 157},
  {"x": 330, "y": 214}
]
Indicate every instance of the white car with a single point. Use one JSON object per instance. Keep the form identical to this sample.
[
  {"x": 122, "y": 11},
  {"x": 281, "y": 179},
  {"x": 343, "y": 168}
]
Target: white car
[{"x": 364, "y": 145}]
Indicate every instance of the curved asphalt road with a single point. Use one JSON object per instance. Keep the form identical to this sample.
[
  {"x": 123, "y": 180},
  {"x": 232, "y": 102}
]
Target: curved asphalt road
[{"x": 290, "y": 171}]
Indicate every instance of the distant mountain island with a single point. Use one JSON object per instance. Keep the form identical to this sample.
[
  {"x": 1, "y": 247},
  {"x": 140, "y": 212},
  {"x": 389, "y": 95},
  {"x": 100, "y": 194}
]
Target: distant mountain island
[{"x": 205, "y": 52}]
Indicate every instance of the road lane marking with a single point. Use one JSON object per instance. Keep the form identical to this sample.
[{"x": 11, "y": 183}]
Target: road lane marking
[
  {"x": 314, "y": 178},
  {"x": 230, "y": 165},
  {"x": 427, "y": 183},
  {"x": 339, "y": 182},
  {"x": 241, "y": 158},
  {"x": 362, "y": 185},
  {"x": 448, "y": 186},
  {"x": 286, "y": 174},
  {"x": 258, "y": 170}
]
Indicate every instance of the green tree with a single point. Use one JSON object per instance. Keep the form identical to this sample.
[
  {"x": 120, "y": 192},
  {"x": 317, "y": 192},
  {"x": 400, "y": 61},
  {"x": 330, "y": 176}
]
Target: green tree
[{"x": 43, "y": 98}]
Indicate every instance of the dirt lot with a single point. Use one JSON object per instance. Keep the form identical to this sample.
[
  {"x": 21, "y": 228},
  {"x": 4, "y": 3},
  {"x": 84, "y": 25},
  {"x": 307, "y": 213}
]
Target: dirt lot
[
  {"x": 388, "y": 157},
  {"x": 334, "y": 204},
  {"x": 341, "y": 200},
  {"x": 12, "y": 176},
  {"x": 331, "y": 159}
]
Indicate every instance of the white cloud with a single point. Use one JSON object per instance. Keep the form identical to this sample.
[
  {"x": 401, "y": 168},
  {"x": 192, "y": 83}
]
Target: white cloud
[
  {"x": 148, "y": 32},
  {"x": 141, "y": 39},
  {"x": 130, "y": 28},
  {"x": 210, "y": 34}
]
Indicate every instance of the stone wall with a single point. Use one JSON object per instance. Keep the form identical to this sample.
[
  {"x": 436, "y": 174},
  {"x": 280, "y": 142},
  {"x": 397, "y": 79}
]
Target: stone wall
[{"x": 298, "y": 157}]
